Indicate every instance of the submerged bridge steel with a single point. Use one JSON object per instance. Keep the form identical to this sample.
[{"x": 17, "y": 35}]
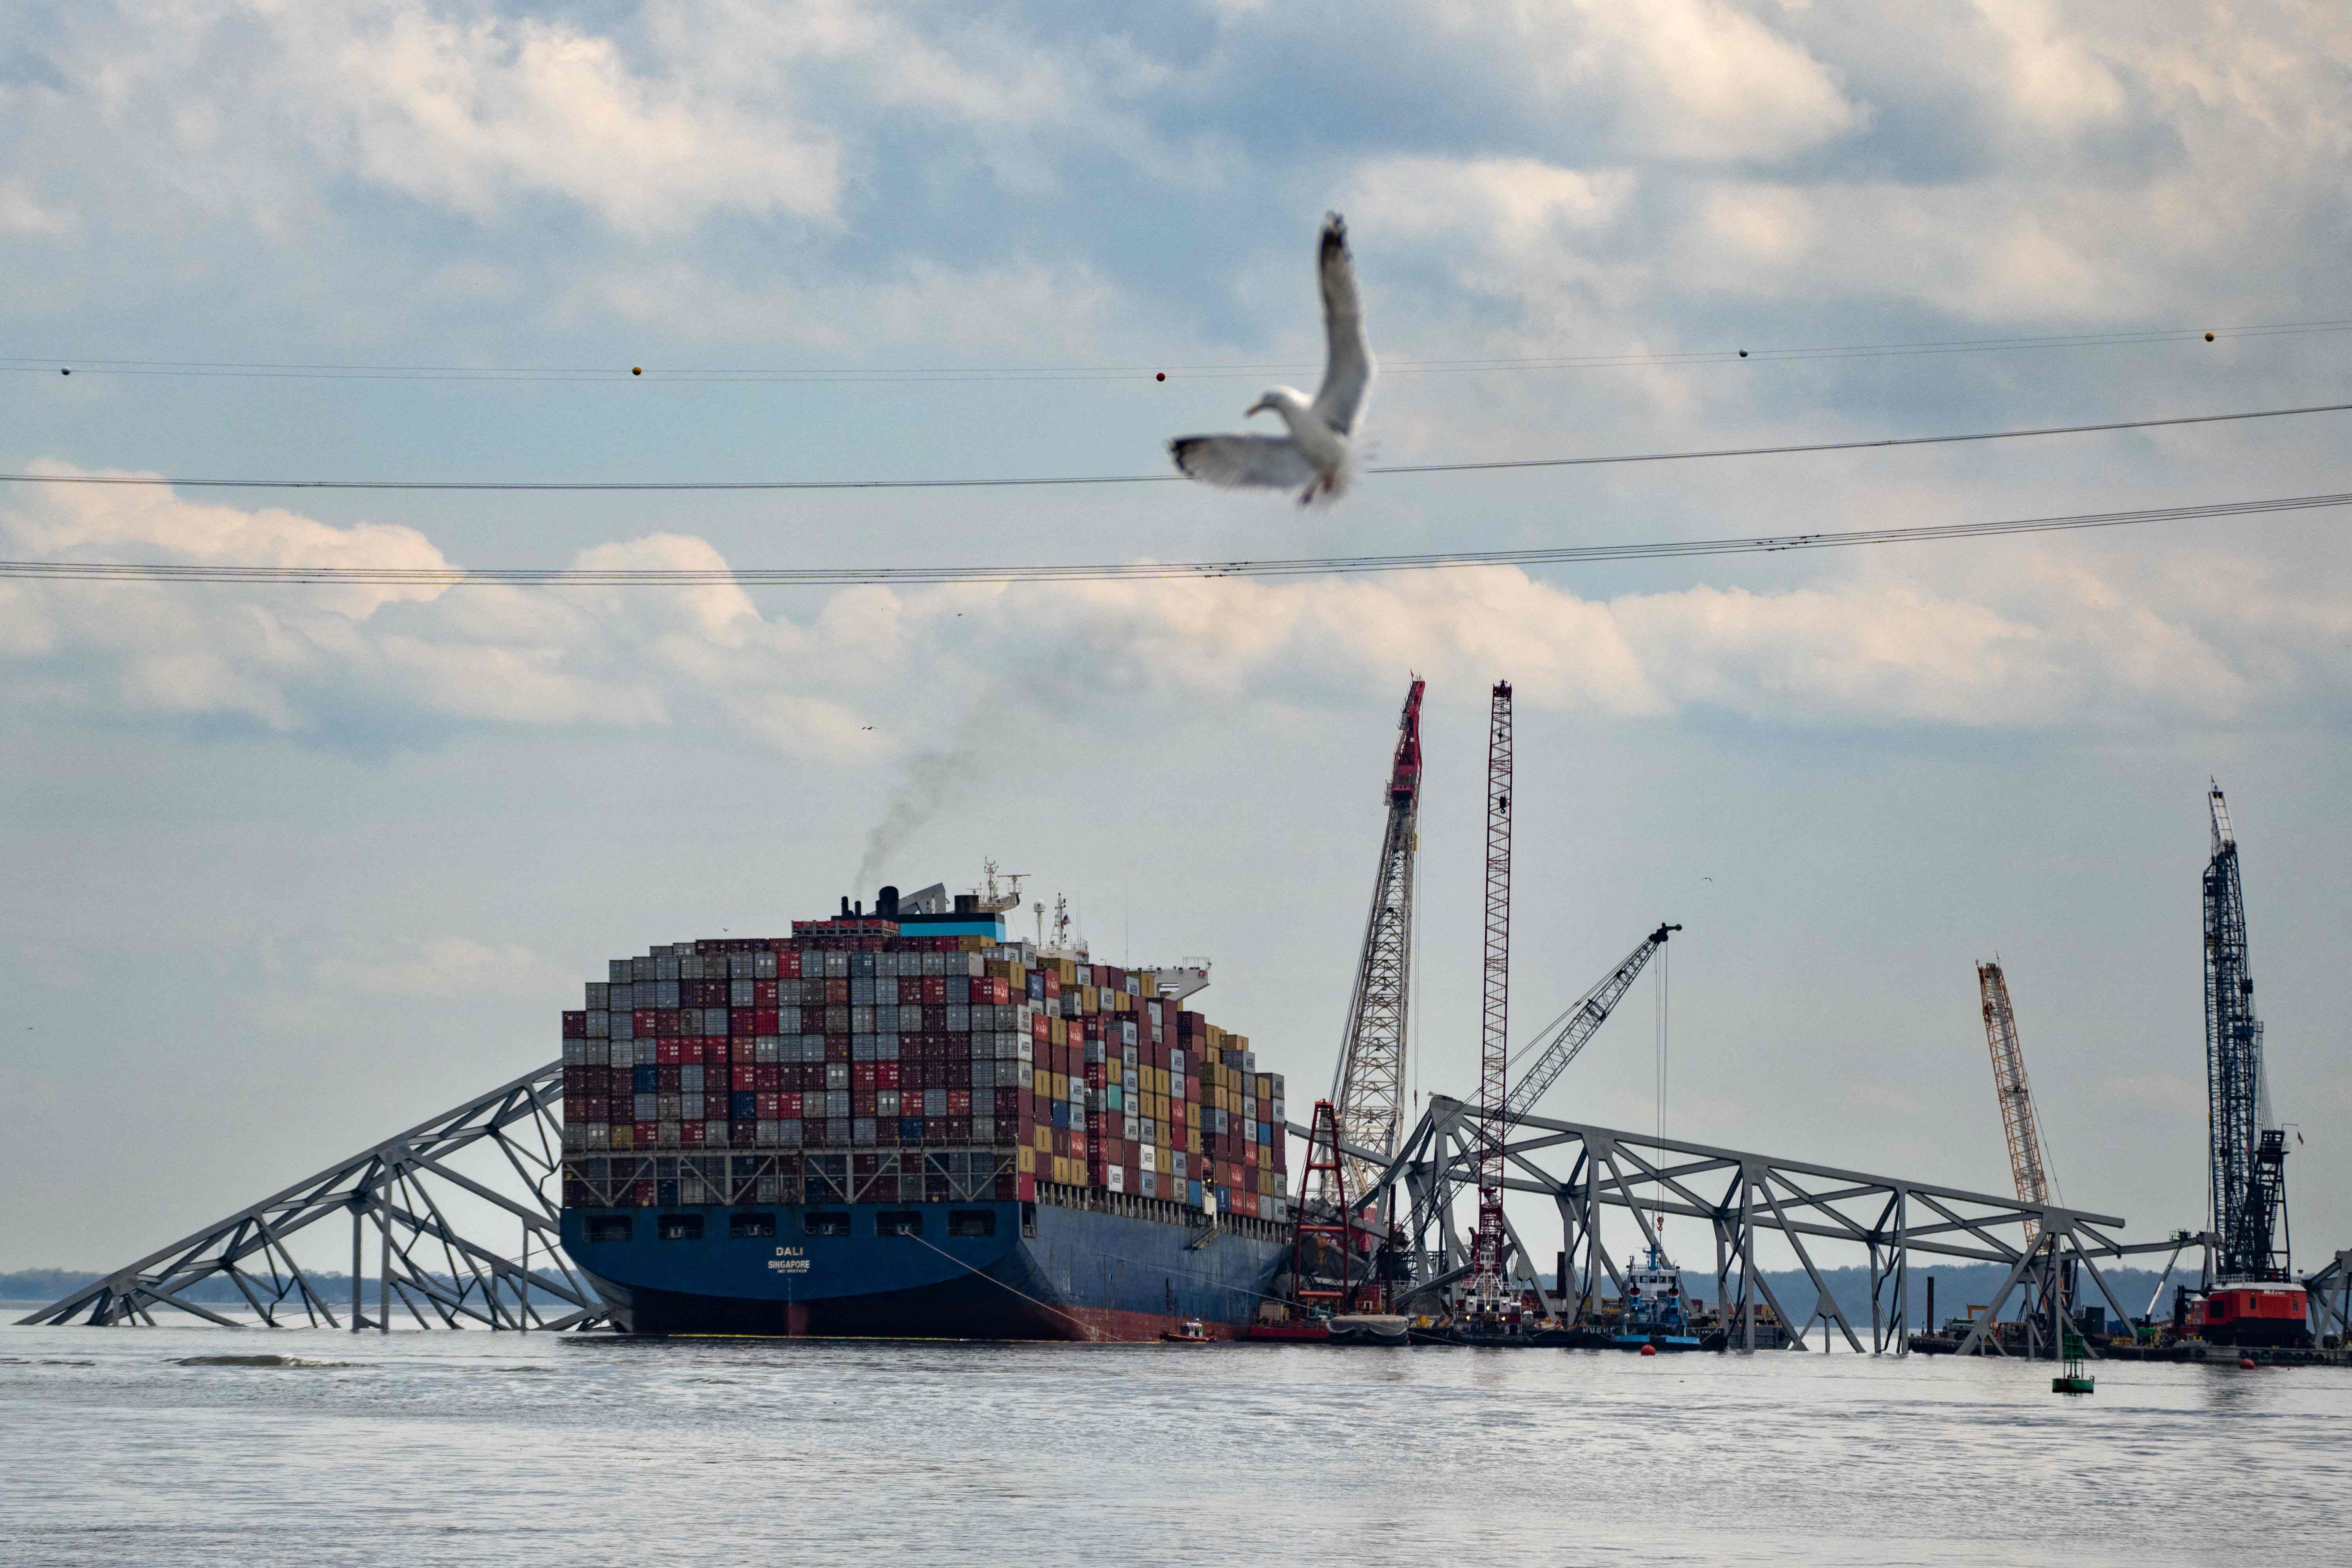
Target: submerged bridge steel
[
  {"x": 1583, "y": 1169},
  {"x": 443, "y": 1274}
]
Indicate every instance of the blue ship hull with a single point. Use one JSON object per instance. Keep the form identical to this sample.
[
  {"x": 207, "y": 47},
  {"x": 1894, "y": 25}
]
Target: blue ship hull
[{"x": 1039, "y": 1273}]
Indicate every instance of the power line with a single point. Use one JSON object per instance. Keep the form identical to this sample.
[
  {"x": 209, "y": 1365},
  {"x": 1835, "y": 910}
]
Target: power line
[
  {"x": 1132, "y": 571},
  {"x": 1494, "y": 466},
  {"x": 265, "y": 369}
]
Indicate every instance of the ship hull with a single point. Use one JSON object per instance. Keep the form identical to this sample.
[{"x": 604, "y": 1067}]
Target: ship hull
[{"x": 972, "y": 1271}]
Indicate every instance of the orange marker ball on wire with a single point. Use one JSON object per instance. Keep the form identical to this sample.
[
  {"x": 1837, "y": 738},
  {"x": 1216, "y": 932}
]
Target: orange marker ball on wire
[
  {"x": 636, "y": 370},
  {"x": 1159, "y": 376},
  {"x": 2209, "y": 337}
]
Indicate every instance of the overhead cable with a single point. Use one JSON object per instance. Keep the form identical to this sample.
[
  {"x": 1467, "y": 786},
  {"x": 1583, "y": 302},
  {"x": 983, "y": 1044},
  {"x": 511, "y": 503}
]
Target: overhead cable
[
  {"x": 1497, "y": 465},
  {"x": 1129, "y": 571},
  {"x": 53, "y": 364}
]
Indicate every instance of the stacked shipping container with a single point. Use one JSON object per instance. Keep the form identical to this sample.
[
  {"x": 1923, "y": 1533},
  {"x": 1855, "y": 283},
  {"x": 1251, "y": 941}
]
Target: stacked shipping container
[{"x": 856, "y": 1061}]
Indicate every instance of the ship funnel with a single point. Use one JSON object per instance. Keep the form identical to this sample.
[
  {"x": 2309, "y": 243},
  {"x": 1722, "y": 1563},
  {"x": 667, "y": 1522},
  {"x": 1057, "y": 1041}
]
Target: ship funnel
[{"x": 886, "y": 903}]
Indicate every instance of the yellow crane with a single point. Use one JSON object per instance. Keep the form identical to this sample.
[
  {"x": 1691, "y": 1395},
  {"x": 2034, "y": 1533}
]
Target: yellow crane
[{"x": 2029, "y": 1162}]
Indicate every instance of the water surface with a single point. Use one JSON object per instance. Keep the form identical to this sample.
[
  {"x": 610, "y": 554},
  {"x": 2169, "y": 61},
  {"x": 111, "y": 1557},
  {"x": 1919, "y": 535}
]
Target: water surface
[{"x": 184, "y": 1444}]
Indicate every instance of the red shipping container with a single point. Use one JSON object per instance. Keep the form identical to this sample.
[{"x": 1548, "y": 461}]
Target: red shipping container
[
  {"x": 767, "y": 1075},
  {"x": 788, "y": 962},
  {"x": 836, "y": 992},
  {"x": 1025, "y": 1187},
  {"x": 689, "y": 1135},
  {"x": 690, "y": 1051},
  {"x": 788, "y": 1105},
  {"x": 765, "y": 1108},
  {"x": 886, "y": 1075},
  {"x": 764, "y": 1020},
  {"x": 861, "y": 1101},
  {"x": 763, "y": 994},
  {"x": 958, "y": 1102},
  {"x": 862, "y": 1075},
  {"x": 644, "y": 1133},
  {"x": 743, "y": 1077},
  {"x": 642, "y": 1022},
  {"x": 575, "y": 1025},
  {"x": 665, "y": 1053},
  {"x": 836, "y": 1047}
]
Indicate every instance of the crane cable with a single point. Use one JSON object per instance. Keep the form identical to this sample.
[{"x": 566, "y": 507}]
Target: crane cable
[
  {"x": 1129, "y": 571},
  {"x": 160, "y": 481}
]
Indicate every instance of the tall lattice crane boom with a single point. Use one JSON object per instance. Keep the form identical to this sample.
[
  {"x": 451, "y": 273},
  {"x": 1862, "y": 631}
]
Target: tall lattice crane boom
[
  {"x": 2249, "y": 1150},
  {"x": 1368, "y": 1088},
  {"x": 1494, "y": 1044},
  {"x": 2029, "y": 1162},
  {"x": 1549, "y": 1054}
]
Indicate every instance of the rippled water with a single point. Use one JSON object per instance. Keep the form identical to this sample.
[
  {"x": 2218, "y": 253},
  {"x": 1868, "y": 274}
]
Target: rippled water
[{"x": 153, "y": 1445}]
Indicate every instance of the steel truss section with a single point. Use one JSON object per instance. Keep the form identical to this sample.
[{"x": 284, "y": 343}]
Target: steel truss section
[
  {"x": 2330, "y": 1290},
  {"x": 442, "y": 1274},
  {"x": 1879, "y": 1221}
]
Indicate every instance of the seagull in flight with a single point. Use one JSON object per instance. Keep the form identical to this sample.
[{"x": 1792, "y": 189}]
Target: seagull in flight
[{"x": 1320, "y": 453}]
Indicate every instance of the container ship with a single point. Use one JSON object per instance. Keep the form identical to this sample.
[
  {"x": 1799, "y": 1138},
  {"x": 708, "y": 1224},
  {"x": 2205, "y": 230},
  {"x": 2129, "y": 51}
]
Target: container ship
[{"x": 905, "y": 1125}]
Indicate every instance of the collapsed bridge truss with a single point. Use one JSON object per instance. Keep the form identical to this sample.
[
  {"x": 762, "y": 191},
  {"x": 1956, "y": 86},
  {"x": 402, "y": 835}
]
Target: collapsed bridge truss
[
  {"x": 423, "y": 1194},
  {"x": 1879, "y": 1221}
]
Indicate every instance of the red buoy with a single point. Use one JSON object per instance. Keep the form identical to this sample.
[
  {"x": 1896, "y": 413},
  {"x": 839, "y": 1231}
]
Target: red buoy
[
  {"x": 2246, "y": 1364},
  {"x": 1160, "y": 377},
  {"x": 1652, "y": 1350}
]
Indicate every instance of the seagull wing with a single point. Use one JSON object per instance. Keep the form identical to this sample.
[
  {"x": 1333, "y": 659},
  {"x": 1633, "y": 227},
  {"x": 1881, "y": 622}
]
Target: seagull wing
[
  {"x": 1235, "y": 462},
  {"x": 1348, "y": 374}
]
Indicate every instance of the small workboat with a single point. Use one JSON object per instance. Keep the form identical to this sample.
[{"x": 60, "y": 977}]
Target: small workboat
[
  {"x": 1190, "y": 1334},
  {"x": 1655, "y": 1321}
]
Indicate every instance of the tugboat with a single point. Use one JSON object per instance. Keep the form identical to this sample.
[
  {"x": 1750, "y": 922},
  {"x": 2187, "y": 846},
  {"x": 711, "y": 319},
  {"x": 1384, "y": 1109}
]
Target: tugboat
[
  {"x": 1190, "y": 1334},
  {"x": 1654, "y": 1308}
]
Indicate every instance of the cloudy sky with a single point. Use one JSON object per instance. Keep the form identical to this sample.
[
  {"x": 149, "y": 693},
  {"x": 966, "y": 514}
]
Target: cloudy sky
[{"x": 290, "y": 868}]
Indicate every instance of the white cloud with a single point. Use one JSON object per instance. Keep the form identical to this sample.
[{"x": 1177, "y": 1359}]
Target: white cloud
[
  {"x": 1692, "y": 79},
  {"x": 1030, "y": 308},
  {"x": 2060, "y": 643},
  {"x": 24, "y": 215}
]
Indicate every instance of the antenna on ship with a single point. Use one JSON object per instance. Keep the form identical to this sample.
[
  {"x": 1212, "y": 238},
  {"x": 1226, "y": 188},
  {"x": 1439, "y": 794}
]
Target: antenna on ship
[
  {"x": 1040, "y": 908},
  {"x": 998, "y": 903}
]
